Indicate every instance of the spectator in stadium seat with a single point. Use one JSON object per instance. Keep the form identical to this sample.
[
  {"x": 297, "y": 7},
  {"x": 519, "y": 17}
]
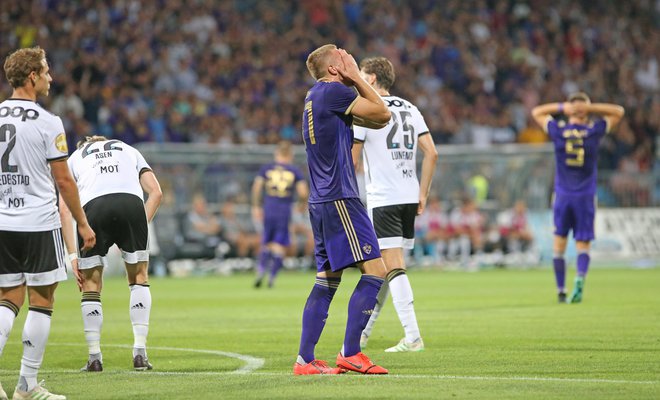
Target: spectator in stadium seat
[{"x": 514, "y": 231}]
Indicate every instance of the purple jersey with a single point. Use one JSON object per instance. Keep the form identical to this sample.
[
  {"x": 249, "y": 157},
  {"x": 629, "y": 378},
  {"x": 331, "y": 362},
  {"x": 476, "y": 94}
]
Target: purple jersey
[
  {"x": 280, "y": 182},
  {"x": 576, "y": 155},
  {"x": 328, "y": 136}
]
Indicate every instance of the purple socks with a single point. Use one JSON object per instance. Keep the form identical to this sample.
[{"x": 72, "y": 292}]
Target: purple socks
[
  {"x": 360, "y": 308},
  {"x": 315, "y": 314}
]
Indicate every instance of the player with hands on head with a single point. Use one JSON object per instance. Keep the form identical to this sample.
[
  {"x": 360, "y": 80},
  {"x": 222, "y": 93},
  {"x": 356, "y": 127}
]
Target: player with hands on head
[
  {"x": 576, "y": 156},
  {"x": 343, "y": 234}
]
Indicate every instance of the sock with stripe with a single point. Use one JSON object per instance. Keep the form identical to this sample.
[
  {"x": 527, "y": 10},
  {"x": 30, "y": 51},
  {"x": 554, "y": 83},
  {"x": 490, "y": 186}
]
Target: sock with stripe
[
  {"x": 583, "y": 264},
  {"x": 140, "y": 308},
  {"x": 92, "y": 315},
  {"x": 360, "y": 308},
  {"x": 8, "y": 313},
  {"x": 380, "y": 302},
  {"x": 559, "y": 264},
  {"x": 315, "y": 315},
  {"x": 402, "y": 297},
  {"x": 276, "y": 265},
  {"x": 35, "y": 337}
]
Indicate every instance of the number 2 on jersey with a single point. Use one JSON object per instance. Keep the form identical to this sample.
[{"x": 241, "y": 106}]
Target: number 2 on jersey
[
  {"x": 408, "y": 132},
  {"x": 8, "y": 134}
]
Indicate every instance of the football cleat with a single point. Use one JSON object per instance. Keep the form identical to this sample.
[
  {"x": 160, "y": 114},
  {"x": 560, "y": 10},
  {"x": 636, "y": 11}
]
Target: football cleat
[
  {"x": 92, "y": 366},
  {"x": 315, "y": 367},
  {"x": 561, "y": 297},
  {"x": 141, "y": 363},
  {"x": 360, "y": 363},
  {"x": 403, "y": 346},
  {"x": 576, "y": 296},
  {"x": 38, "y": 393}
]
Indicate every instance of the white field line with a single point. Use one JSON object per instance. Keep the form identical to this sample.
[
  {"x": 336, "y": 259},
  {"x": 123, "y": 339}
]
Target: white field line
[{"x": 254, "y": 363}]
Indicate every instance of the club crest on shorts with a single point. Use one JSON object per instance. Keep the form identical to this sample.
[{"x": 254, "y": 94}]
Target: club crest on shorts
[{"x": 366, "y": 248}]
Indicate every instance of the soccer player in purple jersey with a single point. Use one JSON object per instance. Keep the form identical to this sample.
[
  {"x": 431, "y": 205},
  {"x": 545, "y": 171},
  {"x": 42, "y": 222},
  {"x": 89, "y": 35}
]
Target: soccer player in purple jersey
[
  {"x": 576, "y": 152},
  {"x": 343, "y": 234},
  {"x": 280, "y": 179}
]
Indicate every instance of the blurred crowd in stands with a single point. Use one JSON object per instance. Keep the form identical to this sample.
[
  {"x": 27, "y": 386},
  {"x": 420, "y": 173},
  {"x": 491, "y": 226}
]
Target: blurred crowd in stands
[{"x": 233, "y": 71}]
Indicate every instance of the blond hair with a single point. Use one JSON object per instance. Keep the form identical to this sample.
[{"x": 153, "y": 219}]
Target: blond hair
[
  {"x": 21, "y": 63},
  {"x": 317, "y": 61}
]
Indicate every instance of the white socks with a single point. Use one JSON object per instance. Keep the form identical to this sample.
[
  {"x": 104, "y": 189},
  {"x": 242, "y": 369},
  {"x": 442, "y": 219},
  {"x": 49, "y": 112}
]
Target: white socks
[
  {"x": 140, "y": 308},
  {"x": 8, "y": 312},
  {"x": 92, "y": 315},
  {"x": 35, "y": 337},
  {"x": 402, "y": 297}
]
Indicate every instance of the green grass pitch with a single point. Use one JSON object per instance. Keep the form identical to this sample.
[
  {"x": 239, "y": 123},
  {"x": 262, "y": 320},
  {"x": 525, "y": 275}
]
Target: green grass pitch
[{"x": 494, "y": 334}]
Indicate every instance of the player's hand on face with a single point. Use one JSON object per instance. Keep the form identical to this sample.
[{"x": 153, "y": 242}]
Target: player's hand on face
[
  {"x": 580, "y": 108},
  {"x": 88, "y": 236},
  {"x": 77, "y": 274},
  {"x": 569, "y": 109},
  {"x": 347, "y": 68}
]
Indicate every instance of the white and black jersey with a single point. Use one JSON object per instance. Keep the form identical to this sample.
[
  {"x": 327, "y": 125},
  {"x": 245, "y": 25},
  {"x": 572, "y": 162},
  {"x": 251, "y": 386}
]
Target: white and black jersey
[
  {"x": 30, "y": 137},
  {"x": 390, "y": 155},
  {"x": 106, "y": 167},
  {"x": 108, "y": 177}
]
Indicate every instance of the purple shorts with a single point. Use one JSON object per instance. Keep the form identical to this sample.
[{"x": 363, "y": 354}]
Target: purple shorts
[
  {"x": 276, "y": 230},
  {"x": 577, "y": 213},
  {"x": 343, "y": 234}
]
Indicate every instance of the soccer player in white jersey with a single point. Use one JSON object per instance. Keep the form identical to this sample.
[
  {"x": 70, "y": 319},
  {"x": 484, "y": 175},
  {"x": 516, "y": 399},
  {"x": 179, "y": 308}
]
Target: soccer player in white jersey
[
  {"x": 111, "y": 177},
  {"x": 394, "y": 195},
  {"x": 33, "y": 155}
]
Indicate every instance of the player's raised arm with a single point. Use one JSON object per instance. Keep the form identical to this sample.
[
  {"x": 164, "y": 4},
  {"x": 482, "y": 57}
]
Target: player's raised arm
[
  {"x": 69, "y": 191},
  {"x": 151, "y": 187},
  {"x": 542, "y": 113},
  {"x": 612, "y": 113},
  {"x": 425, "y": 143},
  {"x": 369, "y": 105}
]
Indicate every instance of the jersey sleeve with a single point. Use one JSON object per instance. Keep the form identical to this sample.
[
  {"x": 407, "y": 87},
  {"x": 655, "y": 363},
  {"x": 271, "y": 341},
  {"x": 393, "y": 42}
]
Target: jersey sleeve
[
  {"x": 359, "y": 133},
  {"x": 551, "y": 127},
  {"x": 56, "y": 147},
  {"x": 298, "y": 174},
  {"x": 418, "y": 123},
  {"x": 263, "y": 170},
  {"x": 340, "y": 98},
  {"x": 601, "y": 127},
  {"x": 141, "y": 162}
]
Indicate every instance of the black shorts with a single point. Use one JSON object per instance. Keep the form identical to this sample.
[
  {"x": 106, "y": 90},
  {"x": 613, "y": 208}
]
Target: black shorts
[
  {"x": 395, "y": 225},
  {"x": 117, "y": 218},
  {"x": 34, "y": 258}
]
